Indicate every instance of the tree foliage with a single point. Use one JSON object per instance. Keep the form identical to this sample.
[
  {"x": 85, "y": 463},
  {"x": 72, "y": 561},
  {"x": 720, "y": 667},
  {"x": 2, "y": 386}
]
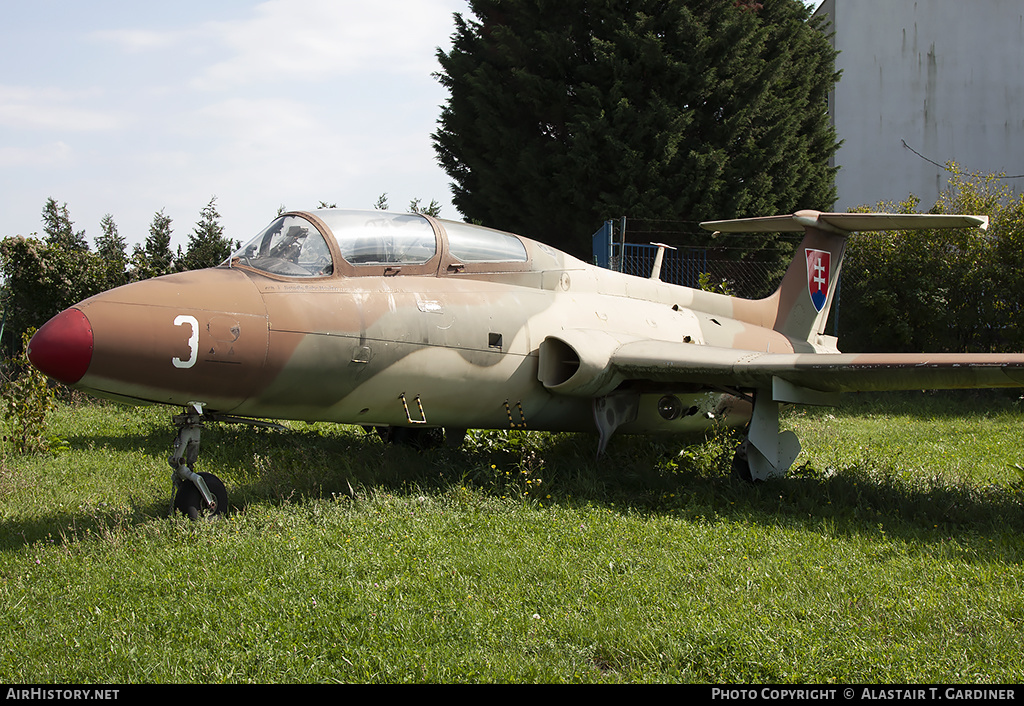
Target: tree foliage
[
  {"x": 939, "y": 290},
  {"x": 154, "y": 257},
  {"x": 564, "y": 114},
  {"x": 43, "y": 279},
  {"x": 431, "y": 209},
  {"x": 415, "y": 206},
  {"x": 207, "y": 246},
  {"x": 45, "y": 275},
  {"x": 112, "y": 251},
  {"x": 59, "y": 229}
]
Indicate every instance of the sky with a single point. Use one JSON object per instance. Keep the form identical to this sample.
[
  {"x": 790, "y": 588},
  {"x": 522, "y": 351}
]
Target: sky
[{"x": 129, "y": 108}]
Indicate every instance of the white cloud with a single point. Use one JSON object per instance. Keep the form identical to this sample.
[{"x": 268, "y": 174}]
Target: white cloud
[
  {"x": 140, "y": 40},
  {"x": 311, "y": 39},
  {"x": 304, "y": 40},
  {"x": 54, "y": 109},
  {"x": 49, "y": 155},
  {"x": 267, "y": 120}
]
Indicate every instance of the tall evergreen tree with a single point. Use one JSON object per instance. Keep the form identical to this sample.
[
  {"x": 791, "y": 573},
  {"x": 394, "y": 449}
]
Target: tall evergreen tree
[
  {"x": 110, "y": 245},
  {"x": 207, "y": 246},
  {"x": 154, "y": 257},
  {"x": 431, "y": 209},
  {"x": 59, "y": 229},
  {"x": 111, "y": 250},
  {"x": 564, "y": 113}
]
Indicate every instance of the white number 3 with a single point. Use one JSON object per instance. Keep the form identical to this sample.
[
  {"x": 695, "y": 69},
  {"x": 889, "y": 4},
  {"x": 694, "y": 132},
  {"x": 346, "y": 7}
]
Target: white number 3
[{"x": 193, "y": 342}]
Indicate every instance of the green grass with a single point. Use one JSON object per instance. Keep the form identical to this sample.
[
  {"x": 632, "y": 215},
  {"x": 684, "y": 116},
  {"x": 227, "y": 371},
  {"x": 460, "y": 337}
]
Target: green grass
[{"x": 892, "y": 554}]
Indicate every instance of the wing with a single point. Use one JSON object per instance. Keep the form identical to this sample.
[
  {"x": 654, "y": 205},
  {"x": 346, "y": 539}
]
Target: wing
[
  {"x": 805, "y": 378},
  {"x": 593, "y": 363},
  {"x": 828, "y": 372}
]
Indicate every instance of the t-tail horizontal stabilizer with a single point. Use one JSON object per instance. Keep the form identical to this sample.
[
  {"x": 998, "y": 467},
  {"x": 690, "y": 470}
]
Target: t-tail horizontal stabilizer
[{"x": 800, "y": 306}]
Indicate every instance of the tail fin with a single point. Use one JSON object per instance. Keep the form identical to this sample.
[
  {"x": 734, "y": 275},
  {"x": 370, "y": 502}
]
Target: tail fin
[{"x": 802, "y": 302}]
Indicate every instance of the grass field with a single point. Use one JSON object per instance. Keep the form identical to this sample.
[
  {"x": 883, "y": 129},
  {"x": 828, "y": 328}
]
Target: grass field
[{"x": 891, "y": 554}]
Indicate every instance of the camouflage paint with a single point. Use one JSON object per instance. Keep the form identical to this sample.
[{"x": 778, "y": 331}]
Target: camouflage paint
[{"x": 547, "y": 343}]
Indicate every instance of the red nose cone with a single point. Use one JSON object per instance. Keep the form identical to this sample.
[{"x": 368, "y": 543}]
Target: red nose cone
[{"x": 62, "y": 348}]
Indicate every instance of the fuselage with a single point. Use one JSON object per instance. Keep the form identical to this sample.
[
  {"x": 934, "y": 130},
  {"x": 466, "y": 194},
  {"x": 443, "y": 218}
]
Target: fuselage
[{"x": 378, "y": 319}]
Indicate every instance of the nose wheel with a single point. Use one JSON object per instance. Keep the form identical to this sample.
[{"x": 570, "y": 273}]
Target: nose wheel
[
  {"x": 199, "y": 494},
  {"x": 195, "y": 494},
  {"x": 190, "y": 500}
]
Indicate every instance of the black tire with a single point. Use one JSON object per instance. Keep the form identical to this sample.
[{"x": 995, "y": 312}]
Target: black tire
[
  {"x": 189, "y": 501},
  {"x": 453, "y": 437},
  {"x": 741, "y": 465},
  {"x": 419, "y": 438}
]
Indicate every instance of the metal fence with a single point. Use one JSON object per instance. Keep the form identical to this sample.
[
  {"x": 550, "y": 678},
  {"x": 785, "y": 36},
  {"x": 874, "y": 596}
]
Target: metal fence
[{"x": 749, "y": 278}]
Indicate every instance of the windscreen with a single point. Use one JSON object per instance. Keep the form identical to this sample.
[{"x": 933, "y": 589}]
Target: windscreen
[{"x": 291, "y": 246}]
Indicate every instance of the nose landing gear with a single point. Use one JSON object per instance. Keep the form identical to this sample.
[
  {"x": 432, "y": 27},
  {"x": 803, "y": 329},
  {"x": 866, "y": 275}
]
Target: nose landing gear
[
  {"x": 195, "y": 494},
  {"x": 198, "y": 495}
]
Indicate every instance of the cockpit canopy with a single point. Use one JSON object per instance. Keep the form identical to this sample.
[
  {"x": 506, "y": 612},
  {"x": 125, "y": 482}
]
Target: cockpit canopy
[
  {"x": 290, "y": 246},
  {"x": 468, "y": 243},
  {"x": 380, "y": 238},
  {"x": 299, "y": 244}
]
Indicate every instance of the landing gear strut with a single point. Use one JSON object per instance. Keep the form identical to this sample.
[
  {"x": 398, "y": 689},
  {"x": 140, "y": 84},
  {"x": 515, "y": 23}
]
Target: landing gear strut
[
  {"x": 195, "y": 494},
  {"x": 199, "y": 494},
  {"x": 768, "y": 452}
]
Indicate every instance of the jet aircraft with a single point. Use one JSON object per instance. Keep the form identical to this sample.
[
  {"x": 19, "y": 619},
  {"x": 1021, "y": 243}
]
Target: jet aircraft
[{"x": 406, "y": 323}]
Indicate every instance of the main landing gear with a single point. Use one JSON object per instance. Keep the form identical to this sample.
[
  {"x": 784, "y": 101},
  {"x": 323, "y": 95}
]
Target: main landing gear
[
  {"x": 419, "y": 438},
  {"x": 768, "y": 452},
  {"x": 198, "y": 495}
]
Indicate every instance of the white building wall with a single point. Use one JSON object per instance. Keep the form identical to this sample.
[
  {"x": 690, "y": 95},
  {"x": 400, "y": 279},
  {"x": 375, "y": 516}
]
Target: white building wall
[{"x": 924, "y": 80}]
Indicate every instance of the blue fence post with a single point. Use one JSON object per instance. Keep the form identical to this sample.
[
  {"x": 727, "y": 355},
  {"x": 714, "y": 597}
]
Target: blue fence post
[
  {"x": 679, "y": 266},
  {"x": 601, "y": 243}
]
